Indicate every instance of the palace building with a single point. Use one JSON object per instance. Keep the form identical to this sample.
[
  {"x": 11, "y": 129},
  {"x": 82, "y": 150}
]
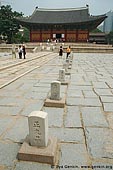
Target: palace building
[{"x": 68, "y": 24}]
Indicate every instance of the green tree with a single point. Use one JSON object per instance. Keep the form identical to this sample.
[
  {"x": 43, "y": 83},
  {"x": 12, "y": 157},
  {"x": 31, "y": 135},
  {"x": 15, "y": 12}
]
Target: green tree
[
  {"x": 8, "y": 25},
  {"x": 22, "y": 37},
  {"x": 96, "y": 30}
]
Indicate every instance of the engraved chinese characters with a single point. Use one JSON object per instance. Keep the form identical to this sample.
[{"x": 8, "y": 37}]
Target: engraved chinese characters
[
  {"x": 55, "y": 90},
  {"x": 38, "y": 128}
]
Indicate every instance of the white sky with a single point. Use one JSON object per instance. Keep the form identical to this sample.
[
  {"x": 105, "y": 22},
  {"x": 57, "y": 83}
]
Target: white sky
[{"x": 96, "y": 7}]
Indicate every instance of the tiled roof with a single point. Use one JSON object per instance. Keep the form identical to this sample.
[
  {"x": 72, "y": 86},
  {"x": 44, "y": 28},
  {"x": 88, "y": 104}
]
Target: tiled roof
[{"x": 60, "y": 16}]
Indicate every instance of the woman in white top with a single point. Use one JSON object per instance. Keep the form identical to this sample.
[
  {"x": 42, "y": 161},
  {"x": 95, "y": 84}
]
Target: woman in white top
[{"x": 20, "y": 52}]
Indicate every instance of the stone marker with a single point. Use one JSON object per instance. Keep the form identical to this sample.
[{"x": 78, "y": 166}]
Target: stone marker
[
  {"x": 71, "y": 57},
  {"x": 48, "y": 48},
  {"x": 37, "y": 147},
  {"x": 65, "y": 66},
  {"x": 55, "y": 90},
  {"x": 38, "y": 128},
  {"x": 53, "y": 48},
  {"x": 42, "y": 48},
  {"x": 54, "y": 99},
  {"x": 62, "y": 75}
]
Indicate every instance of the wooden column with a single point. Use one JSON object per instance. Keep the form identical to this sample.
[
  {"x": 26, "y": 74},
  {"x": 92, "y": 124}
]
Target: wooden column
[
  {"x": 65, "y": 35},
  {"x": 40, "y": 35}
]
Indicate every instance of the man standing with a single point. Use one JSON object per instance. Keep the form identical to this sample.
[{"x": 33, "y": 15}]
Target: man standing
[{"x": 24, "y": 51}]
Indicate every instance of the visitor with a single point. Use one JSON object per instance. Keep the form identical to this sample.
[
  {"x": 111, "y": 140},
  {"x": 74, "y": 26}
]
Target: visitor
[
  {"x": 20, "y": 51},
  {"x": 60, "y": 51},
  {"x": 24, "y": 51},
  {"x": 68, "y": 51}
]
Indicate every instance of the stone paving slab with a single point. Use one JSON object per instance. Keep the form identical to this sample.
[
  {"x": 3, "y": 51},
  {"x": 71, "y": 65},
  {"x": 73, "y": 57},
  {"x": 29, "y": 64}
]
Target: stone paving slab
[
  {"x": 35, "y": 95},
  {"x": 74, "y": 93},
  {"x": 73, "y": 87},
  {"x": 72, "y": 117},
  {"x": 108, "y": 107},
  {"x": 9, "y": 110},
  {"x": 103, "y": 92},
  {"x": 8, "y": 101},
  {"x": 31, "y": 106},
  {"x": 32, "y": 166},
  {"x": 79, "y": 82},
  {"x": 19, "y": 130},
  {"x": 89, "y": 94},
  {"x": 5, "y": 121},
  {"x": 100, "y": 142},
  {"x": 68, "y": 134},
  {"x": 8, "y": 153},
  {"x": 100, "y": 85},
  {"x": 11, "y": 93},
  {"x": 55, "y": 116},
  {"x": 91, "y": 102},
  {"x": 71, "y": 101},
  {"x": 93, "y": 116},
  {"x": 40, "y": 89},
  {"x": 110, "y": 119},
  {"x": 110, "y": 84},
  {"x": 2, "y": 167},
  {"x": 78, "y": 156},
  {"x": 43, "y": 84},
  {"x": 107, "y": 99}
]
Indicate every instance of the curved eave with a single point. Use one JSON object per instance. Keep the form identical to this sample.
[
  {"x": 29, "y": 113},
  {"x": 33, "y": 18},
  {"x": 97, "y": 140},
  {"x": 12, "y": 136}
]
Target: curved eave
[{"x": 92, "y": 22}]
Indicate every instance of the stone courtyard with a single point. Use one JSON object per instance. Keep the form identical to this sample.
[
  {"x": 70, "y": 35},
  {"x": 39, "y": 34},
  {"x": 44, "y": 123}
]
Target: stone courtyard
[{"x": 84, "y": 127}]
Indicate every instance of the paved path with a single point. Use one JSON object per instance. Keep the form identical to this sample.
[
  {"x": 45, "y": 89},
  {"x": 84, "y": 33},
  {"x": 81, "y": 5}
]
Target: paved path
[{"x": 84, "y": 127}]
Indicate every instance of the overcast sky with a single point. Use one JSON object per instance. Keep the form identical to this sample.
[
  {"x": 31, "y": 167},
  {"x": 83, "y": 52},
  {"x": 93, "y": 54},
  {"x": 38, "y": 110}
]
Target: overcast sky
[{"x": 96, "y": 7}]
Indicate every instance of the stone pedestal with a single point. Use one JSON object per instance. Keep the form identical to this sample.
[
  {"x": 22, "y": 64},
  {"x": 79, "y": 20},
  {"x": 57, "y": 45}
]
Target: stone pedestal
[
  {"x": 36, "y": 146},
  {"x": 43, "y": 154},
  {"x": 55, "y": 103}
]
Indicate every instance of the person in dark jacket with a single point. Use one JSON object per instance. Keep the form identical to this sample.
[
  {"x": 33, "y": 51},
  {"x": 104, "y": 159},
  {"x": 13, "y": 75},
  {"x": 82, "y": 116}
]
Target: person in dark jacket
[
  {"x": 61, "y": 51},
  {"x": 24, "y": 51}
]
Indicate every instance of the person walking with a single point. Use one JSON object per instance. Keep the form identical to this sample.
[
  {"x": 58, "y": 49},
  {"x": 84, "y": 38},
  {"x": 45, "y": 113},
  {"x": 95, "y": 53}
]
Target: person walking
[
  {"x": 20, "y": 51},
  {"x": 24, "y": 51},
  {"x": 68, "y": 51}
]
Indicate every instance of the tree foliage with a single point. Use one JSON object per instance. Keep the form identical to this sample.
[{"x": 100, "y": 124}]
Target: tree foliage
[
  {"x": 22, "y": 37},
  {"x": 96, "y": 30},
  {"x": 8, "y": 25}
]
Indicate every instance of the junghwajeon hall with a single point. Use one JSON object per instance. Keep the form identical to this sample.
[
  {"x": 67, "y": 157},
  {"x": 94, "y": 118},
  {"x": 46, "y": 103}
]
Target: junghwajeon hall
[{"x": 68, "y": 24}]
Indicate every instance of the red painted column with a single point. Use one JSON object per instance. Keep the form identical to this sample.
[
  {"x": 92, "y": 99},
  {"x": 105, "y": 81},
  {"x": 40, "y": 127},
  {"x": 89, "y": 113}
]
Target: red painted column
[
  {"x": 65, "y": 35},
  {"x": 40, "y": 35},
  {"x": 76, "y": 35}
]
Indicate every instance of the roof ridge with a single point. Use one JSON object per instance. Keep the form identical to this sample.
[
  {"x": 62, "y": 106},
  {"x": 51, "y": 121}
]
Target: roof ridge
[{"x": 60, "y": 9}]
